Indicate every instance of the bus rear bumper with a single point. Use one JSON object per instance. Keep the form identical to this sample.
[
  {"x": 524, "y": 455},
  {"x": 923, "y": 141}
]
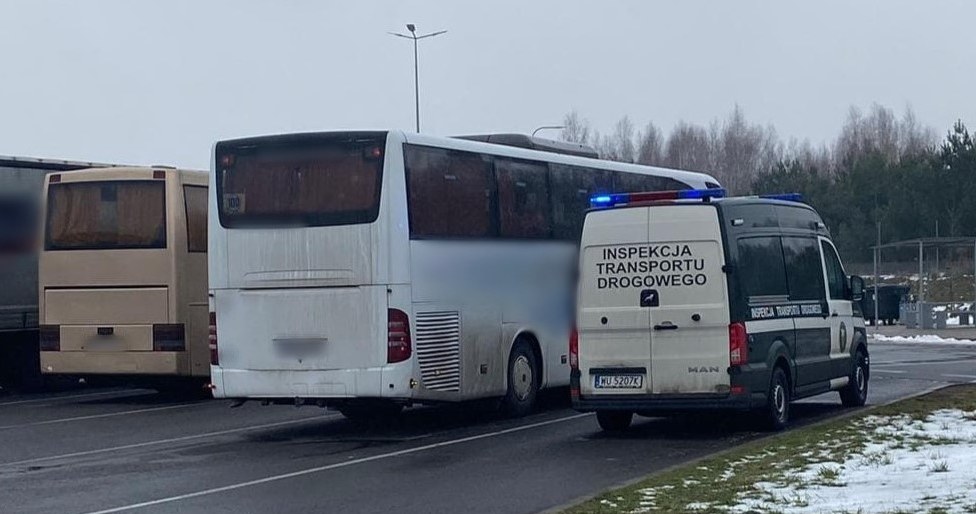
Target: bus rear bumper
[
  {"x": 115, "y": 363},
  {"x": 388, "y": 382}
]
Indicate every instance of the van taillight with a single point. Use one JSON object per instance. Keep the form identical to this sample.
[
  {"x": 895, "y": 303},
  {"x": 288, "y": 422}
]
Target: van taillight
[
  {"x": 50, "y": 338},
  {"x": 212, "y": 340},
  {"x": 574, "y": 349},
  {"x": 398, "y": 343},
  {"x": 169, "y": 338},
  {"x": 738, "y": 344}
]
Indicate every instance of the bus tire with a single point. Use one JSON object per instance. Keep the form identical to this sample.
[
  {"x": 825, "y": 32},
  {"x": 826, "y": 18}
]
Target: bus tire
[
  {"x": 777, "y": 410},
  {"x": 614, "y": 420},
  {"x": 523, "y": 381},
  {"x": 855, "y": 393}
]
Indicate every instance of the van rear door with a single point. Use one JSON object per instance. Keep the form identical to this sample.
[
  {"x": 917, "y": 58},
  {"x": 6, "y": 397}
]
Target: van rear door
[
  {"x": 690, "y": 309},
  {"x": 653, "y": 302},
  {"x": 614, "y": 330}
]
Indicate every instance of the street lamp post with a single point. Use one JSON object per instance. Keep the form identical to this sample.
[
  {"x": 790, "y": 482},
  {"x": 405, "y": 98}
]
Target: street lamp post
[{"x": 416, "y": 67}]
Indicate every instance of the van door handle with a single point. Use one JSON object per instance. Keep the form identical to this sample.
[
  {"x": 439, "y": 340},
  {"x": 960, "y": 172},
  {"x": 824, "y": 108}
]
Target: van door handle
[
  {"x": 833, "y": 315},
  {"x": 666, "y": 326}
]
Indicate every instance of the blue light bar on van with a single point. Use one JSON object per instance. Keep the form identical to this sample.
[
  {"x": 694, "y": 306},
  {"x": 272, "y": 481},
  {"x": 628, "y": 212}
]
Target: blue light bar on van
[
  {"x": 786, "y": 197},
  {"x": 655, "y": 196}
]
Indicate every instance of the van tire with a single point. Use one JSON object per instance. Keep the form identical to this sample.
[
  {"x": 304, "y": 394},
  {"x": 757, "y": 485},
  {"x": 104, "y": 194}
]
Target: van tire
[
  {"x": 777, "y": 410},
  {"x": 523, "y": 381},
  {"x": 614, "y": 420},
  {"x": 855, "y": 393}
]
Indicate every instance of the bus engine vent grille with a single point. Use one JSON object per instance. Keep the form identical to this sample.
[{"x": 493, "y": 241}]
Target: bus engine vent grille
[{"x": 438, "y": 350}]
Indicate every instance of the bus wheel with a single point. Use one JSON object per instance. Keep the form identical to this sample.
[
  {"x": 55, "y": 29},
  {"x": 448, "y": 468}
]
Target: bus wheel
[
  {"x": 523, "y": 382},
  {"x": 614, "y": 420}
]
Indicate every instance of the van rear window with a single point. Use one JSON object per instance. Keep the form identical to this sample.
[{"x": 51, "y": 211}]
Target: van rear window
[
  {"x": 309, "y": 182},
  {"x": 106, "y": 215}
]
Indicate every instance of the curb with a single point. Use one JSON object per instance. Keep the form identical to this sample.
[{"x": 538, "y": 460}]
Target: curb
[{"x": 770, "y": 437}]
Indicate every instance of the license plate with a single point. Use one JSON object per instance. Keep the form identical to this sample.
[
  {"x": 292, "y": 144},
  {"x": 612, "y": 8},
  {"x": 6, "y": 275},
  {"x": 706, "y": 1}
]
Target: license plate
[
  {"x": 618, "y": 381},
  {"x": 299, "y": 347}
]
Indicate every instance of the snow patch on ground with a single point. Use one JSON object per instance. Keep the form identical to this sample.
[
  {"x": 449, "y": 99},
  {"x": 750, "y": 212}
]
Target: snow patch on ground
[
  {"x": 924, "y": 339},
  {"x": 908, "y": 464}
]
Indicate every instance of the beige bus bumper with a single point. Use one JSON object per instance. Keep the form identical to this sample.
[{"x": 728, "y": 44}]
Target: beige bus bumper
[{"x": 116, "y": 363}]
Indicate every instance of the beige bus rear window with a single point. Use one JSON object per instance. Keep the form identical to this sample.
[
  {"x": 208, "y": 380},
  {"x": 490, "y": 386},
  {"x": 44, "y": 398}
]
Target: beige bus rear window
[{"x": 106, "y": 215}]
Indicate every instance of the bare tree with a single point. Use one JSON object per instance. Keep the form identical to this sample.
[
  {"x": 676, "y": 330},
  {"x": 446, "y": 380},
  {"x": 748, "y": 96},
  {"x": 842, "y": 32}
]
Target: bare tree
[
  {"x": 650, "y": 146},
  {"x": 688, "y": 147},
  {"x": 623, "y": 141},
  {"x": 575, "y": 129}
]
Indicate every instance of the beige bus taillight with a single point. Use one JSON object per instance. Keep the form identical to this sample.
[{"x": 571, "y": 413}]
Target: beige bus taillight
[
  {"x": 212, "y": 340},
  {"x": 50, "y": 338},
  {"x": 169, "y": 337}
]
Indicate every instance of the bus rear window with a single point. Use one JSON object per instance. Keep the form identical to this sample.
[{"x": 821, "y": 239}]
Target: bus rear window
[
  {"x": 309, "y": 183},
  {"x": 107, "y": 215}
]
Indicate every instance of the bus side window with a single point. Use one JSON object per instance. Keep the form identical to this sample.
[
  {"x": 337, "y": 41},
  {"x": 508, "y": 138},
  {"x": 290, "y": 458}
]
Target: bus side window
[
  {"x": 195, "y": 200},
  {"x": 523, "y": 199},
  {"x": 448, "y": 193},
  {"x": 571, "y": 188}
]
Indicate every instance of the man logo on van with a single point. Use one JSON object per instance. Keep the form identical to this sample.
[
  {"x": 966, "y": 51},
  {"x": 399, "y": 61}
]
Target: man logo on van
[
  {"x": 704, "y": 369},
  {"x": 649, "y": 298}
]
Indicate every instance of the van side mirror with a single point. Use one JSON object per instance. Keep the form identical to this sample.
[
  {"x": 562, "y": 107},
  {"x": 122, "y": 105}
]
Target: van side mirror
[{"x": 857, "y": 288}]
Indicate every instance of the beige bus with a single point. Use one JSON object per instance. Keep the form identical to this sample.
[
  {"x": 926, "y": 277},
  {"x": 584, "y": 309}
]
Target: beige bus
[{"x": 123, "y": 275}]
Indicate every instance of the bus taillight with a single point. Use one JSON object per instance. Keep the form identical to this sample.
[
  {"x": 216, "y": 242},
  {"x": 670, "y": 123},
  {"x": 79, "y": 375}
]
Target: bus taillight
[
  {"x": 398, "y": 342},
  {"x": 574, "y": 349},
  {"x": 169, "y": 337},
  {"x": 212, "y": 340},
  {"x": 50, "y": 338}
]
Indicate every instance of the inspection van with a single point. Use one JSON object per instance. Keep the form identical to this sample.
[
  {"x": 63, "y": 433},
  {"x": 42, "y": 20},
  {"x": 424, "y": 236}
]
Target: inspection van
[{"x": 690, "y": 301}]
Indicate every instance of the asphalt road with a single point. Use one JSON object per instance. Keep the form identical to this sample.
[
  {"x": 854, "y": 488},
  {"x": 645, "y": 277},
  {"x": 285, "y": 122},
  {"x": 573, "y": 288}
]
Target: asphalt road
[{"x": 121, "y": 450}]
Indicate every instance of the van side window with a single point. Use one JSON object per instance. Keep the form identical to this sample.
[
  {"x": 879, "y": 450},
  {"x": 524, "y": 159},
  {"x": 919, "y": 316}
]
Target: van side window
[
  {"x": 804, "y": 274},
  {"x": 762, "y": 273},
  {"x": 449, "y": 193},
  {"x": 836, "y": 280},
  {"x": 523, "y": 199}
]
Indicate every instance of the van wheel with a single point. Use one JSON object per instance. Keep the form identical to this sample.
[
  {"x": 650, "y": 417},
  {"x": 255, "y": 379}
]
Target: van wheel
[
  {"x": 778, "y": 401},
  {"x": 855, "y": 393},
  {"x": 523, "y": 382},
  {"x": 614, "y": 420}
]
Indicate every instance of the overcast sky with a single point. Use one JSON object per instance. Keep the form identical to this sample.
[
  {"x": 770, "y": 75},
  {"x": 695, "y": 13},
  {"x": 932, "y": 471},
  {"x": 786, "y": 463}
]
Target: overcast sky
[{"x": 159, "y": 82}]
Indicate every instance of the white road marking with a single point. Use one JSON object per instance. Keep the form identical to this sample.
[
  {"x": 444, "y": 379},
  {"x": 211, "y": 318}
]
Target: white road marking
[
  {"x": 953, "y": 375},
  {"x": 337, "y": 465},
  {"x": 897, "y": 371},
  {"x": 96, "y": 416},
  {"x": 919, "y": 363},
  {"x": 124, "y": 392},
  {"x": 170, "y": 440}
]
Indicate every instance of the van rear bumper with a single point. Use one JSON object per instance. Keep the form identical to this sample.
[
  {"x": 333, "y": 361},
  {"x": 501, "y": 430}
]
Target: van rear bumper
[
  {"x": 658, "y": 404},
  {"x": 664, "y": 404}
]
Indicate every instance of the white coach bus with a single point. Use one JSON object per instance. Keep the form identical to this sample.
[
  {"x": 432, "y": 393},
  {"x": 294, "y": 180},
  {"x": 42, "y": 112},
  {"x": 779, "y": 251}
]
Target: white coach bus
[{"x": 465, "y": 251}]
